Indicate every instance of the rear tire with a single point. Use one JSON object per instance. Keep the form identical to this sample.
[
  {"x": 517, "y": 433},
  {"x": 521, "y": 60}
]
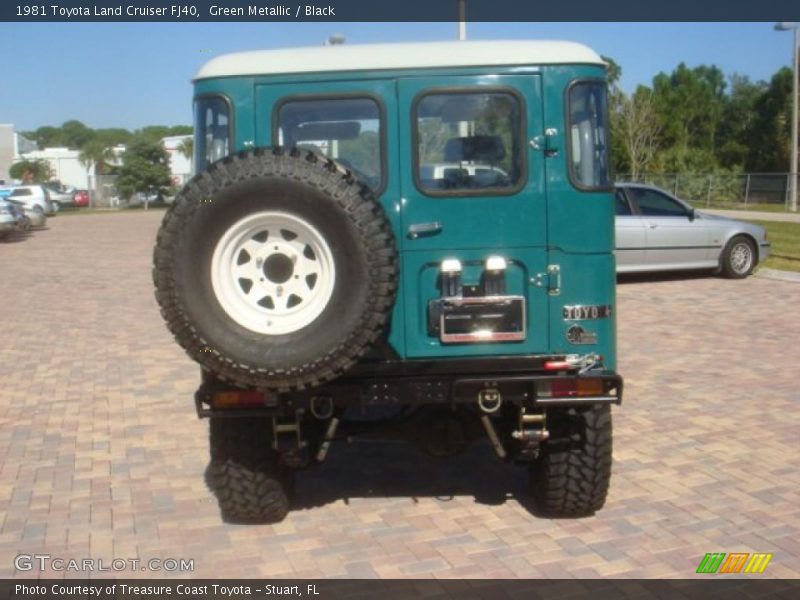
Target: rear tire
[
  {"x": 739, "y": 258},
  {"x": 571, "y": 477},
  {"x": 245, "y": 473}
]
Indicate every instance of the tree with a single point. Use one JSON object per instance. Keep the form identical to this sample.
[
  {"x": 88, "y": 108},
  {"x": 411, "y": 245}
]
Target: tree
[
  {"x": 75, "y": 134},
  {"x": 186, "y": 147},
  {"x": 31, "y": 171},
  {"x": 689, "y": 104},
  {"x": 145, "y": 168},
  {"x": 156, "y": 132},
  {"x": 638, "y": 130},
  {"x": 771, "y": 132},
  {"x": 46, "y": 137},
  {"x": 619, "y": 155},
  {"x": 95, "y": 156},
  {"x": 738, "y": 121}
]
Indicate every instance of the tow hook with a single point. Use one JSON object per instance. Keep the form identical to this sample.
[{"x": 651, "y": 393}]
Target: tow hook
[
  {"x": 490, "y": 400},
  {"x": 532, "y": 431}
]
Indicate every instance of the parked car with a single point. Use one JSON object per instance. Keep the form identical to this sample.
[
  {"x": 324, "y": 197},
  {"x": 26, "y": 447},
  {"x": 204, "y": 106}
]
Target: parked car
[
  {"x": 60, "y": 197},
  {"x": 29, "y": 216},
  {"x": 154, "y": 198},
  {"x": 8, "y": 219},
  {"x": 80, "y": 198},
  {"x": 34, "y": 197},
  {"x": 658, "y": 232}
]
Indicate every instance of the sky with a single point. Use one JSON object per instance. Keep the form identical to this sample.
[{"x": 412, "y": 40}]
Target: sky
[{"x": 132, "y": 75}]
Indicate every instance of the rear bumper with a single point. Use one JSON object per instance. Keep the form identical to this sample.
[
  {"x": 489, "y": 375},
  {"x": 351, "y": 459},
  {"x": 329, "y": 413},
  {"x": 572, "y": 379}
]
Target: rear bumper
[
  {"x": 522, "y": 381},
  {"x": 764, "y": 250}
]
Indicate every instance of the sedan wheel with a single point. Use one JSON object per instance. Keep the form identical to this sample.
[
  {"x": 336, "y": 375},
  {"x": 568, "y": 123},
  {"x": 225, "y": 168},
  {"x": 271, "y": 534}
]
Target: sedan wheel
[{"x": 739, "y": 258}]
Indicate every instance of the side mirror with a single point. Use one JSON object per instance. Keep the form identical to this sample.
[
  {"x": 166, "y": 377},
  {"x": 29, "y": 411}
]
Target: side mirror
[{"x": 691, "y": 214}]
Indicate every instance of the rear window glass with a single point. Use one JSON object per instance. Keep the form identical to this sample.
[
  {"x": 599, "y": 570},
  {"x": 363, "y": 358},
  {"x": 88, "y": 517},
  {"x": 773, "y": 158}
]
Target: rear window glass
[
  {"x": 212, "y": 131},
  {"x": 469, "y": 143},
  {"x": 347, "y": 130},
  {"x": 588, "y": 135}
]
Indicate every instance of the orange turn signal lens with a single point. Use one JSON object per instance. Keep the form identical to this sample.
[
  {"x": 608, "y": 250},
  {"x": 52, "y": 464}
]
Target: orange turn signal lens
[
  {"x": 570, "y": 388},
  {"x": 590, "y": 387},
  {"x": 238, "y": 399}
]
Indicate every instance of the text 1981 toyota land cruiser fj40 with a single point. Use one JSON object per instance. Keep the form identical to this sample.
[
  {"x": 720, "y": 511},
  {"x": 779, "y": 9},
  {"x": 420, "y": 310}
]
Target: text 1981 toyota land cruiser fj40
[{"x": 427, "y": 227}]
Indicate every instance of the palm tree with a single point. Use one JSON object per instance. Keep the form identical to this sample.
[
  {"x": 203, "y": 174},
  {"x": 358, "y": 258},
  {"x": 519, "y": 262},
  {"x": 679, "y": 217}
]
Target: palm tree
[
  {"x": 94, "y": 155},
  {"x": 186, "y": 147}
]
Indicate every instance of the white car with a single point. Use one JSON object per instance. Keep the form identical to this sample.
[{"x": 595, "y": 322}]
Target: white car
[
  {"x": 8, "y": 220},
  {"x": 35, "y": 197},
  {"x": 657, "y": 232}
]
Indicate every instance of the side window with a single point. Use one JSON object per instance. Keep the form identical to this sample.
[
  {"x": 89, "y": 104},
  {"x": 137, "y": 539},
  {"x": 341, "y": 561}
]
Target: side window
[
  {"x": 621, "y": 206},
  {"x": 20, "y": 192},
  {"x": 212, "y": 131},
  {"x": 654, "y": 204},
  {"x": 348, "y": 130},
  {"x": 469, "y": 143},
  {"x": 588, "y": 135}
]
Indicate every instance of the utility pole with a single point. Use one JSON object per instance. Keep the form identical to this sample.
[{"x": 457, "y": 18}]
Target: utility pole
[
  {"x": 784, "y": 26},
  {"x": 462, "y": 20}
]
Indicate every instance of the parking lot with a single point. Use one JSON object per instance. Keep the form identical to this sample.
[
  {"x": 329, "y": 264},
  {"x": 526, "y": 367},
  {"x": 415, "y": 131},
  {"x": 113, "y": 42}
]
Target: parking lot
[{"x": 102, "y": 456}]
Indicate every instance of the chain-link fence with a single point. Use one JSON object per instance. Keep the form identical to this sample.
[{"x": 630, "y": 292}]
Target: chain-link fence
[
  {"x": 749, "y": 191},
  {"x": 103, "y": 192}
]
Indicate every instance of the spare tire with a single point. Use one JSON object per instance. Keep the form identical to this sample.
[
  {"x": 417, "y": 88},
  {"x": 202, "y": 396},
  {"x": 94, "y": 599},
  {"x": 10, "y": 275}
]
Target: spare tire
[{"x": 275, "y": 269}]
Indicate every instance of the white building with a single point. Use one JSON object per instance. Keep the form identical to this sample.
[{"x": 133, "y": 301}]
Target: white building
[
  {"x": 12, "y": 145},
  {"x": 65, "y": 164},
  {"x": 180, "y": 165}
]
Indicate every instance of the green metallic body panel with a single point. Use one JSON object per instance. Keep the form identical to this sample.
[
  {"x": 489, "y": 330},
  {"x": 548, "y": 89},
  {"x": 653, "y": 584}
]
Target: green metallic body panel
[{"x": 548, "y": 222}]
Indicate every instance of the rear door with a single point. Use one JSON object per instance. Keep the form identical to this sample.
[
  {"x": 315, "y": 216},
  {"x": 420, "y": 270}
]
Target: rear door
[
  {"x": 471, "y": 188},
  {"x": 674, "y": 239}
]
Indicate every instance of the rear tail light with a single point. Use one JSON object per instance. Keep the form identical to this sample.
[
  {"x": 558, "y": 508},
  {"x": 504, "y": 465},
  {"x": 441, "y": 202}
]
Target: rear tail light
[
  {"x": 239, "y": 399},
  {"x": 570, "y": 388}
]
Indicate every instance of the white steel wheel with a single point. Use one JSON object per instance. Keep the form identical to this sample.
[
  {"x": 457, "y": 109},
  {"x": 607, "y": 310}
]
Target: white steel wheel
[
  {"x": 741, "y": 258},
  {"x": 273, "y": 273}
]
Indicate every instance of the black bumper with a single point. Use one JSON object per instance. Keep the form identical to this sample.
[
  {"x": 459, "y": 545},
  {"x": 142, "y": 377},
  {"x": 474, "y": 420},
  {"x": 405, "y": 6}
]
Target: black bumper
[{"x": 523, "y": 380}]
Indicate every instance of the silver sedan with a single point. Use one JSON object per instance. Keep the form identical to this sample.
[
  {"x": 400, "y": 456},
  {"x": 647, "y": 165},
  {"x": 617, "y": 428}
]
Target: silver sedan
[{"x": 658, "y": 232}]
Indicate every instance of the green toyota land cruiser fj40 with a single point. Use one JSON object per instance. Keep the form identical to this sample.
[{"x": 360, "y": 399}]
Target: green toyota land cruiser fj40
[{"x": 419, "y": 229}]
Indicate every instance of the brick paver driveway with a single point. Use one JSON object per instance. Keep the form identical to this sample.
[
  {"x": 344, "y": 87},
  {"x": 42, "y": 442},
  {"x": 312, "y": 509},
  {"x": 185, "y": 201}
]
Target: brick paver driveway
[{"x": 102, "y": 455}]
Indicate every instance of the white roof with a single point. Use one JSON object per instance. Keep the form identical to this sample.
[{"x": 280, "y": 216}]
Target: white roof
[{"x": 360, "y": 57}]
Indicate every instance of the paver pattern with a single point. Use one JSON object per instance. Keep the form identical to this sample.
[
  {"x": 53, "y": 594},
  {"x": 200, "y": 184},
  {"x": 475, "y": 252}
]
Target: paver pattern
[{"x": 102, "y": 456}]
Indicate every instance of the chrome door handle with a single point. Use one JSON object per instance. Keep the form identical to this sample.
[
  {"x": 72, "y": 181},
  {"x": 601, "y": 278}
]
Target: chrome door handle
[
  {"x": 418, "y": 230},
  {"x": 653, "y": 226}
]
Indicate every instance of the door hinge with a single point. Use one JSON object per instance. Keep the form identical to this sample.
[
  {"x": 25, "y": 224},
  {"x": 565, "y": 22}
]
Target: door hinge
[{"x": 550, "y": 279}]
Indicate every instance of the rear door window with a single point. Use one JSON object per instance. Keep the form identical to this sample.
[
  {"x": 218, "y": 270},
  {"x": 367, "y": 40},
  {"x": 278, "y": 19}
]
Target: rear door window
[
  {"x": 469, "y": 143},
  {"x": 348, "y": 130}
]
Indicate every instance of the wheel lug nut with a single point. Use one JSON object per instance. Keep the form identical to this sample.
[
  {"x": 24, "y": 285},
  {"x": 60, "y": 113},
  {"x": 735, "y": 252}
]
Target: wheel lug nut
[{"x": 259, "y": 262}]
